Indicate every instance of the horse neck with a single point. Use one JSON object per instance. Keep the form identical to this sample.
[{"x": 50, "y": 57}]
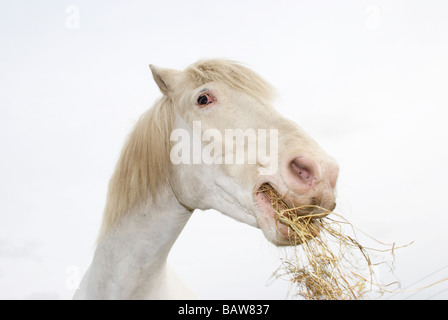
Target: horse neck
[{"x": 130, "y": 261}]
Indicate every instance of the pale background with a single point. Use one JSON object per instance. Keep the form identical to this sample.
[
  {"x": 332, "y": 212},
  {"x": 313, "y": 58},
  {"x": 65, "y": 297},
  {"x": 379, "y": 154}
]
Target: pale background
[{"x": 367, "y": 79}]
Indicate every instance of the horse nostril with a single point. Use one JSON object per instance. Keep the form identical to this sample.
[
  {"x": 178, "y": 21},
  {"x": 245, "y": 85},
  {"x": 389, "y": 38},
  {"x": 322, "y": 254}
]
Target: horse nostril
[{"x": 302, "y": 171}]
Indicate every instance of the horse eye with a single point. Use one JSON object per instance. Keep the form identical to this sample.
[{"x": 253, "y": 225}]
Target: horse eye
[{"x": 204, "y": 99}]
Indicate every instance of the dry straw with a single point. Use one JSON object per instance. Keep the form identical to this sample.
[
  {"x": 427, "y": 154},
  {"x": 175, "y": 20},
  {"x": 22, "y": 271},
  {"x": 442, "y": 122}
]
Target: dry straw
[{"x": 329, "y": 263}]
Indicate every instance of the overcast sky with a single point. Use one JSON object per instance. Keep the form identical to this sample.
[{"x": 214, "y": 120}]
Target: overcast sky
[{"x": 367, "y": 79}]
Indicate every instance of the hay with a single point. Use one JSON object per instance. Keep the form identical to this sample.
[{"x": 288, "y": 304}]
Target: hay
[{"x": 329, "y": 263}]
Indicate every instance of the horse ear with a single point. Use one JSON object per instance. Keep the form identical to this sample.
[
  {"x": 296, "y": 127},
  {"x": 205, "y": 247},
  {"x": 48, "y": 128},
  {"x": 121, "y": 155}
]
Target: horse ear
[{"x": 165, "y": 78}]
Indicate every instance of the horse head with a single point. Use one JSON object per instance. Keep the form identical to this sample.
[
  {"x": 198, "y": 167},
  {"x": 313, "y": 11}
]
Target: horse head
[{"x": 229, "y": 145}]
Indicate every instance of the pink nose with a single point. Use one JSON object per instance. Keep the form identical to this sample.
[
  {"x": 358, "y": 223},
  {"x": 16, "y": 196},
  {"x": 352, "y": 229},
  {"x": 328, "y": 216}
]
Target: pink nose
[{"x": 305, "y": 172}]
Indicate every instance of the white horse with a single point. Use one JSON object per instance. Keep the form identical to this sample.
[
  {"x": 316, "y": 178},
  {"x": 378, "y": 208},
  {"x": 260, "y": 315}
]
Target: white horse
[{"x": 150, "y": 198}]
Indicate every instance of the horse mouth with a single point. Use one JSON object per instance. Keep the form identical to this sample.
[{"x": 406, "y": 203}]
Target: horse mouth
[
  {"x": 291, "y": 221},
  {"x": 283, "y": 206}
]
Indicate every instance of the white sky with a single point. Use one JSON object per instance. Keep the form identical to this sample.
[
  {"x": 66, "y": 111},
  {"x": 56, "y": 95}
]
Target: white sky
[{"x": 367, "y": 79}]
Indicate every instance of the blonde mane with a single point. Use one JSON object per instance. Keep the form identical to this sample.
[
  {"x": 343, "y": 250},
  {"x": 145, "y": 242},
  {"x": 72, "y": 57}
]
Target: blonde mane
[
  {"x": 144, "y": 162},
  {"x": 232, "y": 74}
]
